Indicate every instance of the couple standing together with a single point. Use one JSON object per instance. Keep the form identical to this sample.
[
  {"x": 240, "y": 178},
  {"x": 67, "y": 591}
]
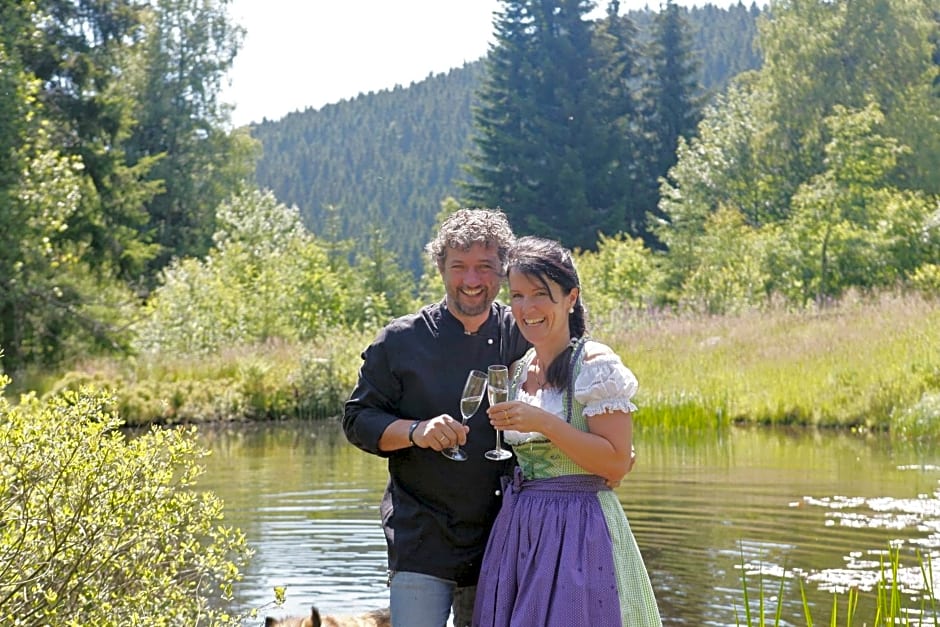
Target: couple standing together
[{"x": 540, "y": 539}]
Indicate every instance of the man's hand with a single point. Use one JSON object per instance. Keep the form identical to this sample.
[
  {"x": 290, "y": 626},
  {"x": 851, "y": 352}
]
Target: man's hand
[{"x": 440, "y": 432}]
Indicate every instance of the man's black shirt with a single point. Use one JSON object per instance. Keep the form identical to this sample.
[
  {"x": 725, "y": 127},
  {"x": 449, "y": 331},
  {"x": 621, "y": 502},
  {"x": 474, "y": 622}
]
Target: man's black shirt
[{"x": 436, "y": 512}]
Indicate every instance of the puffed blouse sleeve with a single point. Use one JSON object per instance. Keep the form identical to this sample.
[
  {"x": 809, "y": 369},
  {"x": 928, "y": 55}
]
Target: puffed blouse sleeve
[{"x": 604, "y": 384}]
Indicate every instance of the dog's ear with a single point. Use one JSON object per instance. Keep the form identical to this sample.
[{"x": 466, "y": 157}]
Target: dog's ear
[
  {"x": 270, "y": 621},
  {"x": 314, "y": 617}
]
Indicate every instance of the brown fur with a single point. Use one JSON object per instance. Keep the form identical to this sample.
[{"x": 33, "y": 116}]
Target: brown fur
[{"x": 375, "y": 618}]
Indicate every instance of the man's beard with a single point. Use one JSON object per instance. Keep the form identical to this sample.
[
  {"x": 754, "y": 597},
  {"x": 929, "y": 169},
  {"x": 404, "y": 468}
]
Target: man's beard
[{"x": 460, "y": 304}]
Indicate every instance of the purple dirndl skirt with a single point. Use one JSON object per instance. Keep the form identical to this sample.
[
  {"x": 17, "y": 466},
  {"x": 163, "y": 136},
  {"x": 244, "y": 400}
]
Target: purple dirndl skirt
[{"x": 549, "y": 560}]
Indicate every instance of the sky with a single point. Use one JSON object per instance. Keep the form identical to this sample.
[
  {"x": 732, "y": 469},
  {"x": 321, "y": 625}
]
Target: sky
[{"x": 300, "y": 54}]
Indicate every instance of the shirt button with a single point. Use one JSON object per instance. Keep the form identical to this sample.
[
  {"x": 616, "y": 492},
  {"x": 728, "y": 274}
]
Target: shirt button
[{"x": 489, "y": 341}]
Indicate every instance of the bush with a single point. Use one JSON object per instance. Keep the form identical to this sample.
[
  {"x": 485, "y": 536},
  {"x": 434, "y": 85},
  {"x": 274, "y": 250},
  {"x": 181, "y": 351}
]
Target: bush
[
  {"x": 99, "y": 527},
  {"x": 926, "y": 280},
  {"x": 267, "y": 278},
  {"x": 620, "y": 275}
]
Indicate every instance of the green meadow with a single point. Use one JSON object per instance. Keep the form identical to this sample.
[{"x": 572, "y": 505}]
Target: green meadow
[{"x": 862, "y": 364}]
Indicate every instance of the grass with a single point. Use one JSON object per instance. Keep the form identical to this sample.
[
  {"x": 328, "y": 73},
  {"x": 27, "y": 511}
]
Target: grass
[
  {"x": 867, "y": 364},
  {"x": 266, "y": 382},
  {"x": 854, "y": 365}
]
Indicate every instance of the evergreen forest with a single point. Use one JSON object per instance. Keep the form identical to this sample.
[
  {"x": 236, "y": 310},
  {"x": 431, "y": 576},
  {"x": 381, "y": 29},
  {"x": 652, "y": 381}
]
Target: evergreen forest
[{"x": 384, "y": 161}]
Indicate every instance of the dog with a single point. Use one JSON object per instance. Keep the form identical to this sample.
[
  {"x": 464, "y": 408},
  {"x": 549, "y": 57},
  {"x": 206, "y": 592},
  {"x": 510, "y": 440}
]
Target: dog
[{"x": 375, "y": 618}]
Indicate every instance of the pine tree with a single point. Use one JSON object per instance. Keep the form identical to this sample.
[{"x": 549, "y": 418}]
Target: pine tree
[
  {"x": 82, "y": 52},
  {"x": 552, "y": 127},
  {"x": 673, "y": 102},
  {"x": 617, "y": 184}
]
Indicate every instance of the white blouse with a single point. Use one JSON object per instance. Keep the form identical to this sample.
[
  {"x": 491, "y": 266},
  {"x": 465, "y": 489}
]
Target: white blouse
[{"x": 603, "y": 385}]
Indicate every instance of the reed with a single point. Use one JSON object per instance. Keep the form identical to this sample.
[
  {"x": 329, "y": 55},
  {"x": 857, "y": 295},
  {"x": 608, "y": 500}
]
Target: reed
[
  {"x": 760, "y": 619},
  {"x": 889, "y": 609}
]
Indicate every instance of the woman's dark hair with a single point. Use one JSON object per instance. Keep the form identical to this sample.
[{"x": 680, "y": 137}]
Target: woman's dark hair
[{"x": 546, "y": 260}]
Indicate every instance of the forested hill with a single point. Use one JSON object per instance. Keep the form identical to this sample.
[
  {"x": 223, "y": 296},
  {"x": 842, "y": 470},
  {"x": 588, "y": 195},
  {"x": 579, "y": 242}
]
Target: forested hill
[{"x": 380, "y": 164}]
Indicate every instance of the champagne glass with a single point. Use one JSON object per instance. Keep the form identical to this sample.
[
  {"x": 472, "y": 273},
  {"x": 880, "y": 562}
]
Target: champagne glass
[
  {"x": 497, "y": 389},
  {"x": 470, "y": 400}
]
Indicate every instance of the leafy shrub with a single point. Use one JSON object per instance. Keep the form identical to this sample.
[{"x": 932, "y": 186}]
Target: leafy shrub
[
  {"x": 926, "y": 280},
  {"x": 325, "y": 377},
  {"x": 271, "y": 380},
  {"x": 102, "y": 528},
  {"x": 266, "y": 278},
  {"x": 620, "y": 275}
]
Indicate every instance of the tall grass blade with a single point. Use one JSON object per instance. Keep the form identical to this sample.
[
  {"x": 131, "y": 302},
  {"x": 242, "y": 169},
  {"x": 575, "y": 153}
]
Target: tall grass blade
[
  {"x": 779, "y": 613},
  {"x": 851, "y": 606},
  {"x": 926, "y": 572},
  {"x": 747, "y": 602},
  {"x": 806, "y": 613},
  {"x": 760, "y": 590}
]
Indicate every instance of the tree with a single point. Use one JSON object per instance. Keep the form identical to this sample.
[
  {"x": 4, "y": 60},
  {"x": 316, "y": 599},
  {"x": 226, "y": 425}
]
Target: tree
[
  {"x": 179, "y": 122},
  {"x": 730, "y": 273},
  {"x": 82, "y": 54},
  {"x": 859, "y": 52},
  {"x": 616, "y": 172},
  {"x": 131, "y": 90},
  {"x": 848, "y": 228},
  {"x": 827, "y": 147},
  {"x": 621, "y": 274},
  {"x": 51, "y": 305},
  {"x": 672, "y": 98},
  {"x": 383, "y": 278},
  {"x": 551, "y": 137},
  {"x": 110, "y": 122},
  {"x": 266, "y": 278}
]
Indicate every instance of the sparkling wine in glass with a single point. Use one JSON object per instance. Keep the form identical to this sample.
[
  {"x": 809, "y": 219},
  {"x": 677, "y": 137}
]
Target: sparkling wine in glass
[
  {"x": 470, "y": 400},
  {"x": 497, "y": 388}
]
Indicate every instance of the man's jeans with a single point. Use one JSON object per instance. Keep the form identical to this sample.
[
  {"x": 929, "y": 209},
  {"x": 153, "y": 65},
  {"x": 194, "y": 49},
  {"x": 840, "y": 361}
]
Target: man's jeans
[{"x": 419, "y": 600}]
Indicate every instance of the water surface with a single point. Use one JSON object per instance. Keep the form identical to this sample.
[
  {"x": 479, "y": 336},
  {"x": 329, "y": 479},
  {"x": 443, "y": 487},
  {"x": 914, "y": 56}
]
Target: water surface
[{"x": 823, "y": 506}]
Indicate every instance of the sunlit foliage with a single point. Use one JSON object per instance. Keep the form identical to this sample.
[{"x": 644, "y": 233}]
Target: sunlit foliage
[
  {"x": 104, "y": 528},
  {"x": 266, "y": 278}
]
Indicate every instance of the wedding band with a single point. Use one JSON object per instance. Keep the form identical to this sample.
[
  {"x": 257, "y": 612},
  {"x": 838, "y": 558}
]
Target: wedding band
[{"x": 443, "y": 439}]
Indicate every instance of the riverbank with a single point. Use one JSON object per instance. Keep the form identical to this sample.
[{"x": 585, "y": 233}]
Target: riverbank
[{"x": 870, "y": 364}]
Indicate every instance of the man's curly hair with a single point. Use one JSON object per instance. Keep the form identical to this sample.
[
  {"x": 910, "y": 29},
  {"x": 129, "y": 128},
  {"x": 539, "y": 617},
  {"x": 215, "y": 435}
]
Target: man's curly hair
[{"x": 466, "y": 227}]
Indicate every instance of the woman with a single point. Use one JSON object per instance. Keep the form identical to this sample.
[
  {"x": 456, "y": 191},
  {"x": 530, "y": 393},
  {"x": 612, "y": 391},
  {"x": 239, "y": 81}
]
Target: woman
[{"x": 561, "y": 551}]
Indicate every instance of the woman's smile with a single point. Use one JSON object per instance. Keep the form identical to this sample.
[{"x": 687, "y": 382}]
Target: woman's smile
[{"x": 540, "y": 308}]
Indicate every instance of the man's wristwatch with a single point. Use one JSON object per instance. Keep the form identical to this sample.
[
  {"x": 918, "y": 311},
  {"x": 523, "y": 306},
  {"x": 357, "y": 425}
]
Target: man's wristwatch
[{"x": 411, "y": 432}]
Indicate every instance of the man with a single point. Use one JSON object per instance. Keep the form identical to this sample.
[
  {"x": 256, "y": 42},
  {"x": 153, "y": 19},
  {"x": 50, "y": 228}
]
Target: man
[{"x": 436, "y": 512}]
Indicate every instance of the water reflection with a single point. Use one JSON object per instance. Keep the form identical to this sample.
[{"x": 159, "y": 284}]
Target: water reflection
[{"x": 822, "y": 506}]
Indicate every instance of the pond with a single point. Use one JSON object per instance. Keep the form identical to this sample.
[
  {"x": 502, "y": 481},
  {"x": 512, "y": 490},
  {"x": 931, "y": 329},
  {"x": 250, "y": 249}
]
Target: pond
[{"x": 787, "y": 505}]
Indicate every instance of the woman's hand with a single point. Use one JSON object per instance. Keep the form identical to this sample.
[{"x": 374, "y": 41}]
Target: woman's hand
[{"x": 515, "y": 416}]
